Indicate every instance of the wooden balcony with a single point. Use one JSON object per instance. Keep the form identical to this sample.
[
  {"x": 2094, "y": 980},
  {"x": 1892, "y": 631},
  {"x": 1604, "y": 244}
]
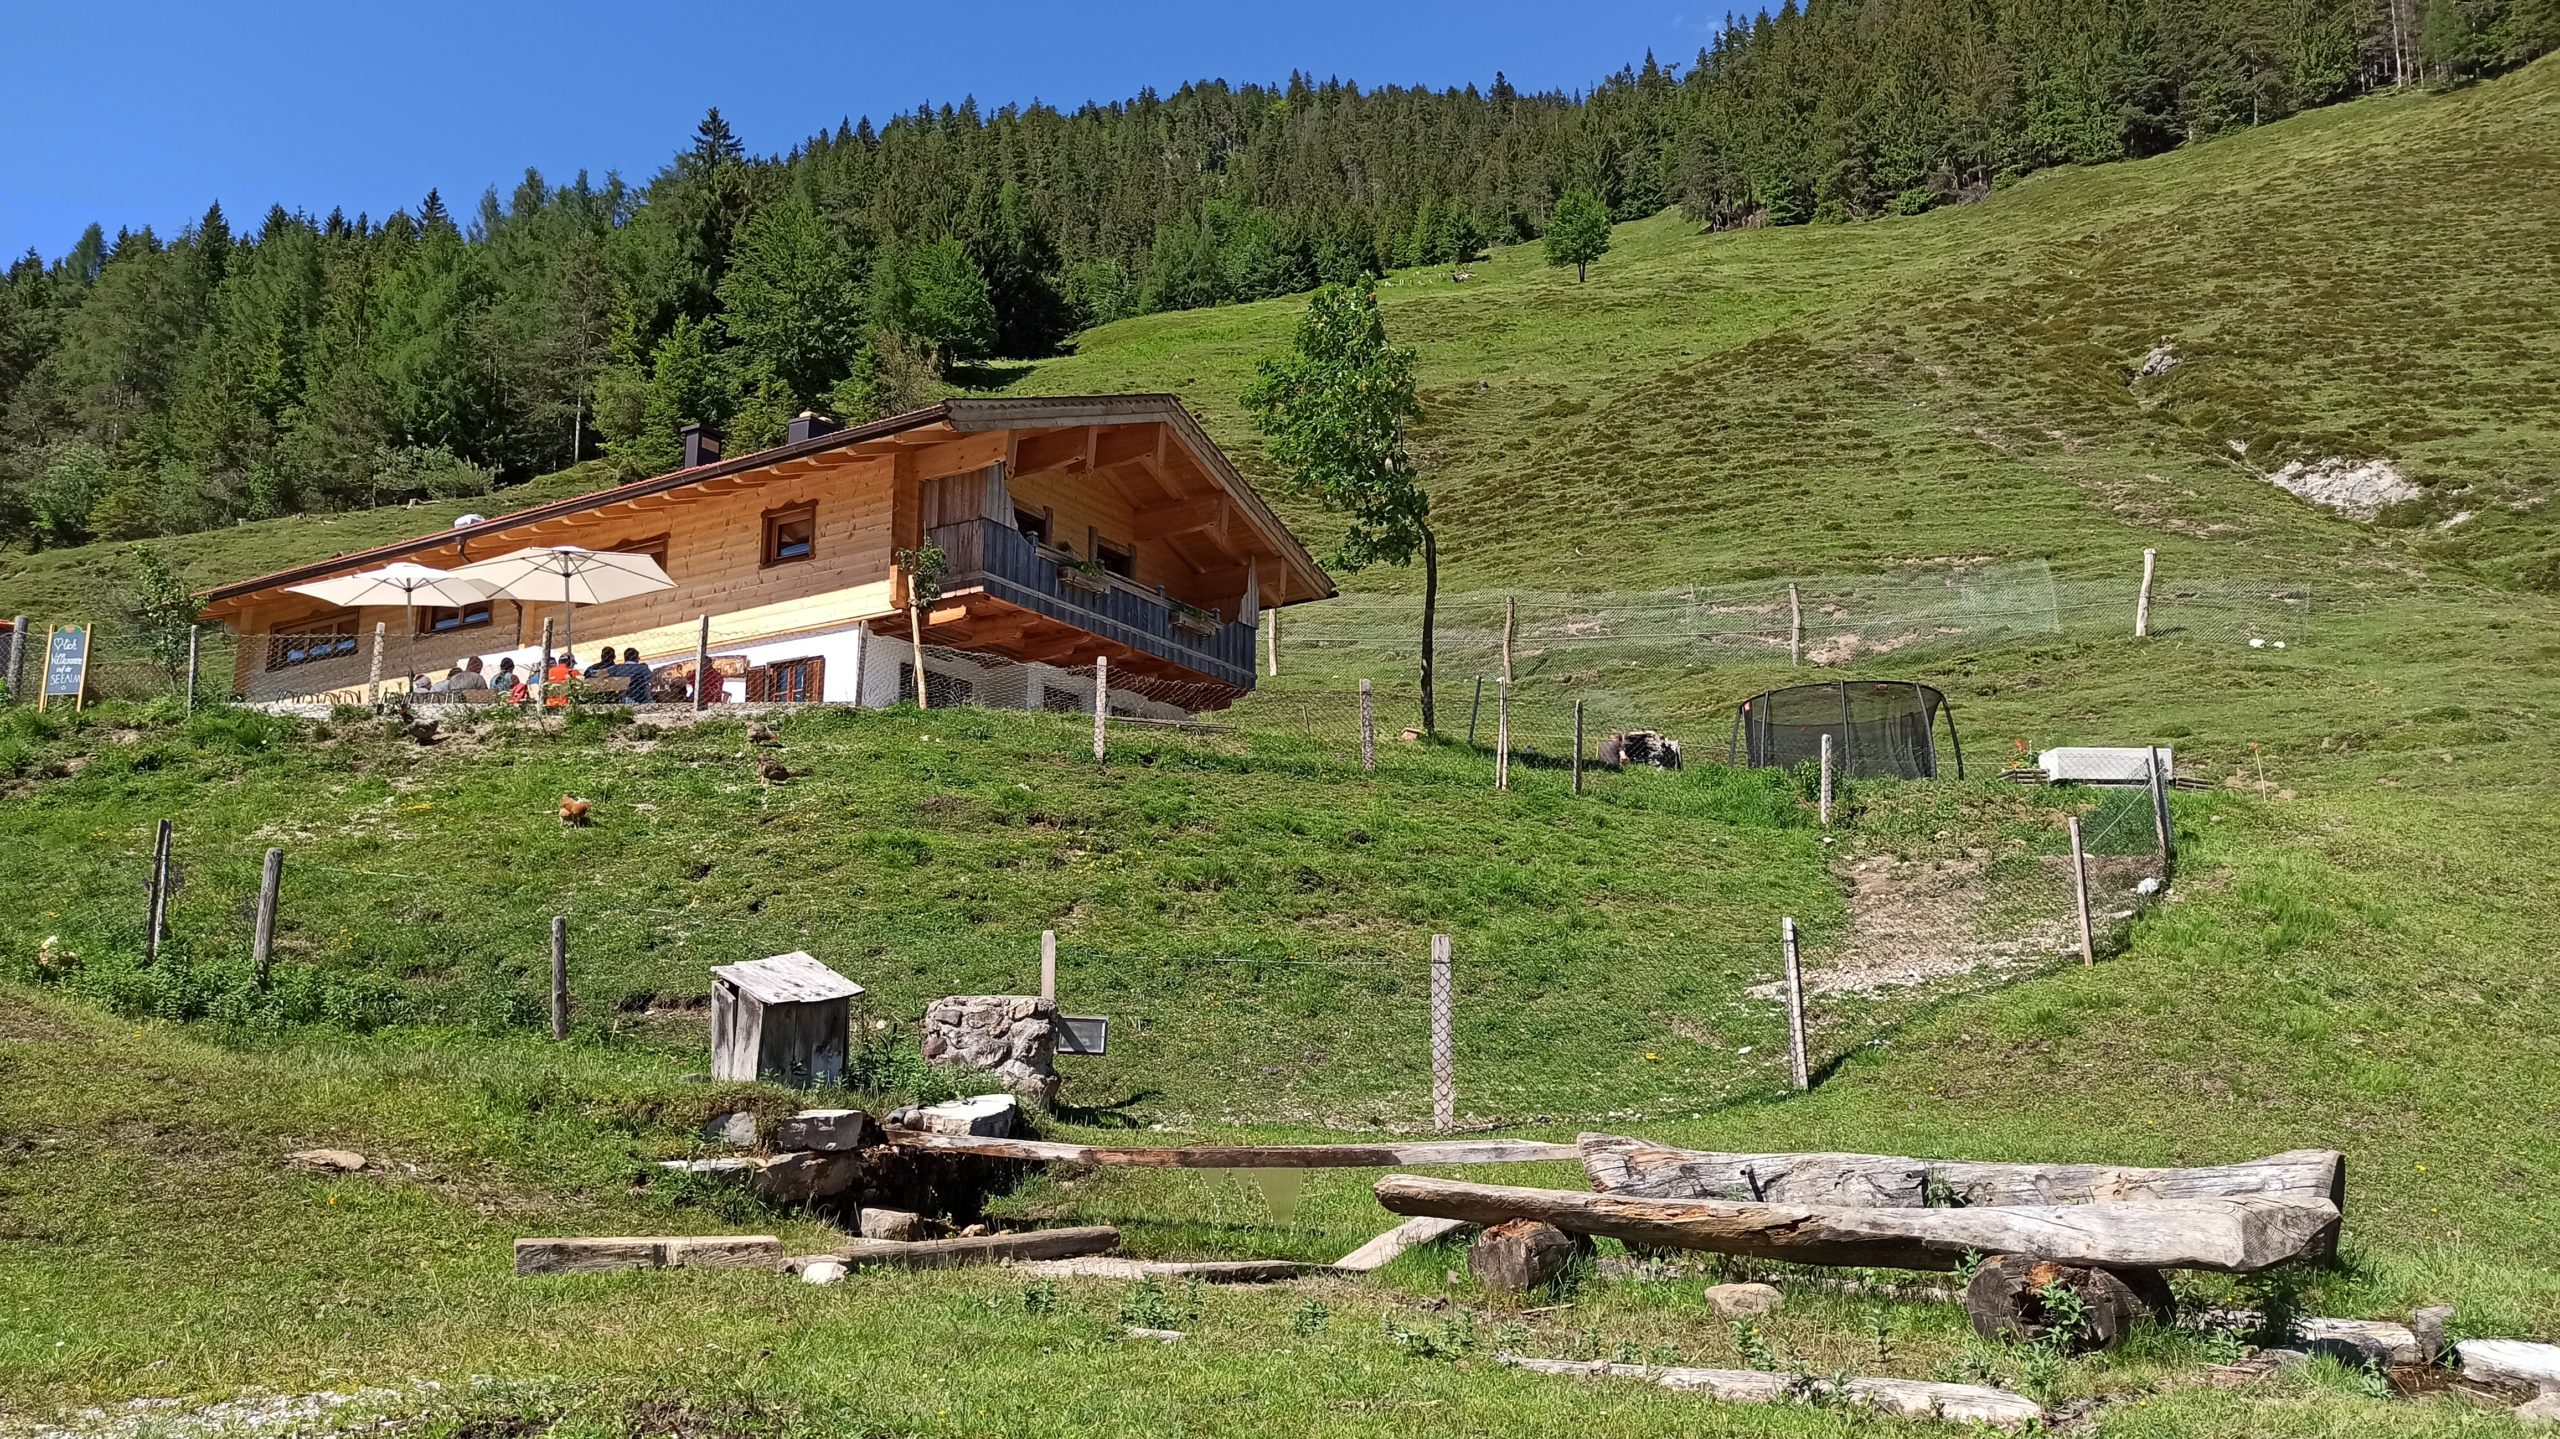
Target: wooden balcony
[{"x": 1005, "y": 564}]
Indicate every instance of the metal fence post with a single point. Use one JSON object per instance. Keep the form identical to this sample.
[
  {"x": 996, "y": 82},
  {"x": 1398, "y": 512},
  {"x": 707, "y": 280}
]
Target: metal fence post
[
  {"x": 158, "y": 922},
  {"x": 2160, "y": 814},
  {"x": 1444, "y": 1068},
  {"x": 1473, "y": 707}
]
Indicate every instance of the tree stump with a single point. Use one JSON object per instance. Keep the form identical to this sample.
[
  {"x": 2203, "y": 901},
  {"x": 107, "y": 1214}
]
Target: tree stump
[
  {"x": 2006, "y": 1300},
  {"x": 1519, "y": 1255}
]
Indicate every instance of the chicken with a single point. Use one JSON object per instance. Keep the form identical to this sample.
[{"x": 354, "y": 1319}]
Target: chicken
[
  {"x": 758, "y": 734},
  {"x": 573, "y": 810},
  {"x": 771, "y": 771}
]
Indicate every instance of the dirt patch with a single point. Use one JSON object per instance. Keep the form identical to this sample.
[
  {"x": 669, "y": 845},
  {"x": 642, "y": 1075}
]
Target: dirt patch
[
  {"x": 2357, "y": 489},
  {"x": 1920, "y": 921}
]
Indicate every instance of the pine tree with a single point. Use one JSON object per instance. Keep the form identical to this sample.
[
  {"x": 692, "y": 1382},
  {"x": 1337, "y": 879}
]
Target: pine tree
[
  {"x": 793, "y": 300},
  {"x": 1579, "y": 232}
]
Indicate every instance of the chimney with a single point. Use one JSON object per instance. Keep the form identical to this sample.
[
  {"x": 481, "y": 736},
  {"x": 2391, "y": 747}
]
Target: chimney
[
  {"x": 808, "y": 425},
  {"x": 701, "y": 445}
]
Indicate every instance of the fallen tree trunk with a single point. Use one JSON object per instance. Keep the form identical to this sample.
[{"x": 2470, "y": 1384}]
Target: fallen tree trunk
[
  {"x": 1239, "y": 1156},
  {"x": 2233, "y": 1235},
  {"x": 1910, "y": 1398},
  {"x": 2006, "y": 1299},
  {"x": 1212, "y": 1271},
  {"x": 982, "y": 1249},
  {"x": 1379, "y": 1252},
  {"x": 1618, "y": 1165}
]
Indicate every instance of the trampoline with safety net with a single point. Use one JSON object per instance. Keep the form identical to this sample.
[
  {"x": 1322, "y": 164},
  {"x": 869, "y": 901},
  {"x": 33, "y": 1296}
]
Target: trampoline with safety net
[{"x": 1880, "y": 729}]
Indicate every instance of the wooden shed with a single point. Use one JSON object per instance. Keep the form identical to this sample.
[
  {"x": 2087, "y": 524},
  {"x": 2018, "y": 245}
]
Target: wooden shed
[{"x": 783, "y": 1019}]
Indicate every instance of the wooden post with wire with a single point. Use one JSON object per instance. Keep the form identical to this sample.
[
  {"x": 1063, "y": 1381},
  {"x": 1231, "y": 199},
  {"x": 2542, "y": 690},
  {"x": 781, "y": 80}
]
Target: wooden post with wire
[
  {"x": 1802, "y": 1073},
  {"x": 373, "y": 685},
  {"x": 1049, "y": 965},
  {"x": 1368, "y": 728},
  {"x": 1795, "y": 625},
  {"x": 559, "y": 976},
  {"x": 1577, "y": 746},
  {"x": 262, "y": 947},
  {"x": 1826, "y": 779},
  {"x": 14, "y": 679},
  {"x": 1444, "y": 1069},
  {"x": 1473, "y": 707},
  {"x": 2142, "y": 606},
  {"x": 1101, "y": 702},
  {"x": 2080, "y": 893},
  {"x": 1502, "y": 734},
  {"x": 1271, "y": 648},
  {"x": 157, "y": 921},
  {"x": 2160, "y": 814},
  {"x": 702, "y": 666},
  {"x": 195, "y": 637},
  {"x": 542, "y": 672}
]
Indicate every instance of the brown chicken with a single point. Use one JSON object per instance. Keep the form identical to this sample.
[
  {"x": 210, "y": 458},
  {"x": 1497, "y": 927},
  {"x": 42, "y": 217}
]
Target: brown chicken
[
  {"x": 772, "y": 771},
  {"x": 573, "y": 810}
]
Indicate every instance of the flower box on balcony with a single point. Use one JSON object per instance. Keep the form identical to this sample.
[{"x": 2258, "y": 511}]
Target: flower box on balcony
[
  {"x": 1193, "y": 620},
  {"x": 1092, "y": 582}
]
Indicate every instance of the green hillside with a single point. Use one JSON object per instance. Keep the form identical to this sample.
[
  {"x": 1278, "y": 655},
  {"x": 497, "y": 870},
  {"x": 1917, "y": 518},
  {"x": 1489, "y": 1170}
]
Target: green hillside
[{"x": 2352, "y": 954}]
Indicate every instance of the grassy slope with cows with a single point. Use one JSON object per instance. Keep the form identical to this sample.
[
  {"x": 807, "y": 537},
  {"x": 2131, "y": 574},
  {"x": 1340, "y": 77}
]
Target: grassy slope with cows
[{"x": 2353, "y": 957}]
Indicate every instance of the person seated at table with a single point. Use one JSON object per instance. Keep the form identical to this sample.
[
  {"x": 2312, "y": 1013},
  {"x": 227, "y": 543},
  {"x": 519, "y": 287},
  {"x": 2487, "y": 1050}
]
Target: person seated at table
[
  {"x": 636, "y": 691},
  {"x": 668, "y": 686},
  {"x": 604, "y": 662},
  {"x": 555, "y": 690},
  {"x": 466, "y": 678}
]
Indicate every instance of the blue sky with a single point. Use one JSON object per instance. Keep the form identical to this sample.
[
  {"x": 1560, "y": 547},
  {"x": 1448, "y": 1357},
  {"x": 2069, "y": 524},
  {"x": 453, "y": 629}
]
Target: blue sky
[{"x": 142, "y": 112}]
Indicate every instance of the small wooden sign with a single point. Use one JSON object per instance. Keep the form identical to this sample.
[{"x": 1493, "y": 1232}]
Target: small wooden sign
[
  {"x": 66, "y": 666},
  {"x": 1083, "y": 1034}
]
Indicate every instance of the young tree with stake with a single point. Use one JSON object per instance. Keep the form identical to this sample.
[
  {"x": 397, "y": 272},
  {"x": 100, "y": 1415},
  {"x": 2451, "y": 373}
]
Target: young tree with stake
[{"x": 1333, "y": 408}]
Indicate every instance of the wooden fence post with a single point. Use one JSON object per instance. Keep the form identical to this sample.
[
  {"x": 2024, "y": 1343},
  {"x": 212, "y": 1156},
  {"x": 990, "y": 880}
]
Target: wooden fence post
[
  {"x": 702, "y": 667},
  {"x": 915, "y": 649},
  {"x": 270, "y": 883},
  {"x": 2142, "y": 607},
  {"x": 373, "y": 684},
  {"x": 1444, "y": 1068},
  {"x": 14, "y": 678},
  {"x": 1826, "y": 779},
  {"x": 1795, "y": 625},
  {"x": 1577, "y": 746},
  {"x": 2080, "y": 893},
  {"x": 559, "y": 976},
  {"x": 158, "y": 921},
  {"x": 2160, "y": 814},
  {"x": 1510, "y": 622},
  {"x": 1102, "y": 700},
  {"x": 542, "y": 672},
  {"x": 1368, "y": 728},
  {"x": 1049, "y": 965},
  {"x": 1502, "y": 734},
  {"x": 195, "y": 634},
  {"x": 1795, "y": 1010},
  {"x": 1271, "y": 649},
  {"x": 1473, "y": 706}
]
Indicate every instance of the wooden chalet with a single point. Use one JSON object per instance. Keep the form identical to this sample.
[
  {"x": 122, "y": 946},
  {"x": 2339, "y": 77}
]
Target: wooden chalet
[{"x": 1075, "y": 528}]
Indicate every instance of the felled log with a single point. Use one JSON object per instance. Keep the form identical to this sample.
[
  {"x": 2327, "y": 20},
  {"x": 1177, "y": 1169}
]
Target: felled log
[
  {"x": 1238, "y": 1156},
  {"x": 1619, "y": 1165},
  {"x": 1910, "y": 1398},
  {"x": 982, "y": 1249},
  {"x": 2511, "y": 1361},
  {"x": 1519, "y": 1255},
  {"x": 1377, "y": 1253},
  {"x": 2006, "y": 1300},
  {"x": 2233, "y": 1235},
  {"x": 600, "y": 1254},
  {"x": 1214, "y": 1271}
]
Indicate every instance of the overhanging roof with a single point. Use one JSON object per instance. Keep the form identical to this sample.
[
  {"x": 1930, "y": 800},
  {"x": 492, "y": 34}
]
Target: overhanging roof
[{"x": 959, "y": 415}]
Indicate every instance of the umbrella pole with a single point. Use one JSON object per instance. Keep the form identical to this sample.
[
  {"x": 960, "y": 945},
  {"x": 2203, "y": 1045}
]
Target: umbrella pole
[
  {"x": 409, "y": 603},
  {"x": 568, "y": 617}
]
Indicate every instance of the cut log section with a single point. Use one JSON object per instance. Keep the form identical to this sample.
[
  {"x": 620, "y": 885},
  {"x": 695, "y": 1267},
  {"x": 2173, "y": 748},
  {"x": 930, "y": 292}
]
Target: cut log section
[
  {"x": 1218, "y": 1271},
  {"x": 2511, "y": 1361},
  {"x": 1519, "y": 1255},
  {"x": 1263, "y": 1156},
  {"x": 1909, "y": 1398},
  {"x": 601, "y": 1254},
  {"x": 2007, "y": 1299},
  {"x": 982, "y": 1249},
  {"x": 1619, "y": 1165},
  {"x": 1381, "y": 1251},
  {"x": 2232, "y": 1235}
]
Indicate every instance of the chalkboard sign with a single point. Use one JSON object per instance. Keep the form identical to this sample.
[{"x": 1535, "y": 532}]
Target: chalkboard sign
[
  {"x": 66, "y": 665},
  {"x": 1080, "y": 1034}
]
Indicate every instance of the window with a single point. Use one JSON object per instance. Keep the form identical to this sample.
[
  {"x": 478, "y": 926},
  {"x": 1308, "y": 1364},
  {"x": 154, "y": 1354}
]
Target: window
[
  {"x": 1116, "y": 559},
  {"x": 317, "y": 640},
  {"x": 441, "y": 621},
  {"x": 790, "y": 534},
  {"x": 655, "y": 547},
  {"x": 1034, "y": 524},
  {"x": 787, "y": 682}
]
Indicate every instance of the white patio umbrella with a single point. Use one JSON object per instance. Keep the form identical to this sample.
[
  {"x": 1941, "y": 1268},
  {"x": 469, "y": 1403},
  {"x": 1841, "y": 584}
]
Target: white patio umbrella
[
  {"x": 574, "y": 574},
  {"x": 402, "y": 584}
]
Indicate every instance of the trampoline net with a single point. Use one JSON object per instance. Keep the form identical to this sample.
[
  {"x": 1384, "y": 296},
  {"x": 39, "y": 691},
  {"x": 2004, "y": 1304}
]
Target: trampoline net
[{"x": 1880, "y": 729}]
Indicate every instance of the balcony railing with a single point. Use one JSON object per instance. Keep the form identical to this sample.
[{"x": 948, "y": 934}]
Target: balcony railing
[{"x": 1007, "y": 564}]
